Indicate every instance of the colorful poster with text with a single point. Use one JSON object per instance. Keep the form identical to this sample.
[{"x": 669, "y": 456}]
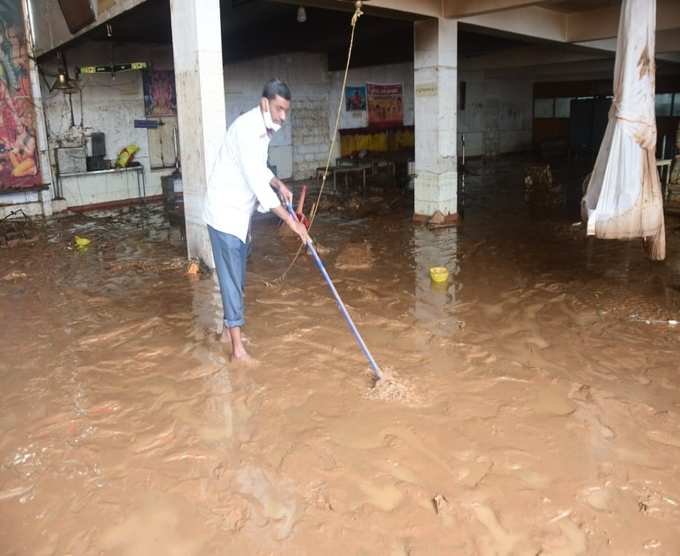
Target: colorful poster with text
[{"x": 385, "y": 105}]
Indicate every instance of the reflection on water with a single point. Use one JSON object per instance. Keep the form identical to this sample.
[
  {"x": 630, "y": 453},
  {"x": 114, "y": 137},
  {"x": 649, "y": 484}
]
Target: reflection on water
[{"x": 434, "y": 303}]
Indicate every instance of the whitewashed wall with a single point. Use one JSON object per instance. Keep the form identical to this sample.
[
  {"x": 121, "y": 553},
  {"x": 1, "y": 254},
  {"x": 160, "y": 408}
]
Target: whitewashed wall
[
  {"x": 496, "y": 104},
  {"x": 302, "y": 143},
  {"x": 501, "y": 107},
  {"x": 109, "y": 104},
  {"x": 498, "y": 110}
]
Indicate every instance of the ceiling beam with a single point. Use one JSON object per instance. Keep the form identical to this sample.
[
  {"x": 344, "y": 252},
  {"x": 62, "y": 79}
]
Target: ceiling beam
[
  {"x": 604, "y": 23},
  {"x": 593, "y": 28},
  {"x": 593, "y": 25},
  {"x": 395, "y": 9},
  {"x": 667, "y": 41},
  {"x": 667, "y": 45},
  {"x": 429, "y": 8},
  {"x": 466, "y": 8},
  {"x": 534, "y": 56},
  {"x": 532, "y": 21}
]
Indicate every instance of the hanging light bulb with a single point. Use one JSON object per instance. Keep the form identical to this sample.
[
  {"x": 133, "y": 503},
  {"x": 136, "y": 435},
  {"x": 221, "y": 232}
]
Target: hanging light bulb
[
  {"x": 301, "y": 14},
  {"x": 61, "y": 82}
]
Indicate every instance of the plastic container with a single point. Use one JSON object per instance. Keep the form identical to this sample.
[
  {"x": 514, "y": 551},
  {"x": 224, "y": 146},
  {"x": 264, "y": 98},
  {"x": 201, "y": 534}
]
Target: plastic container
[{"x": 439, "y": 274}]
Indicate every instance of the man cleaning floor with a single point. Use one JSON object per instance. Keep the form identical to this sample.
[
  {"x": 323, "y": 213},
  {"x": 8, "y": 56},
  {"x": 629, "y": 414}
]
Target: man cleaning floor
[{"x": 240, "y": 183}]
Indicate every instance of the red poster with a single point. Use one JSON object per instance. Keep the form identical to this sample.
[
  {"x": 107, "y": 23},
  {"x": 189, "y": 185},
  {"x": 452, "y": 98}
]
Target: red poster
[
  {"x": 385, "y": 105},
  {"x": 18, "y": 153}
]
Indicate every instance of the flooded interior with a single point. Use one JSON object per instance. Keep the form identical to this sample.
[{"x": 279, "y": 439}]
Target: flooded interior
[{"x": 535, "y": 407}]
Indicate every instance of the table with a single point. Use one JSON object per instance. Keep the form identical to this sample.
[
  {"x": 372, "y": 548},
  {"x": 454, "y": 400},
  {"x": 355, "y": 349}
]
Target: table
[
  {"x": 380, "y": 163},
  {"x": 97, "y": 187},
  {"x": 347, "y": 170}
]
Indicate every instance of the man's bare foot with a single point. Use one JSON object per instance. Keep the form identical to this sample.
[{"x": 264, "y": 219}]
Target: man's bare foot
[
  {"x": 242, "y": 357},
  {"x": 225, "y": 337}
]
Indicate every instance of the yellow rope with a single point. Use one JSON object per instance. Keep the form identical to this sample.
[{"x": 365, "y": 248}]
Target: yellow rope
[
  {"x": 355, "y": 18},
  {"x": 315, "y": 208}
]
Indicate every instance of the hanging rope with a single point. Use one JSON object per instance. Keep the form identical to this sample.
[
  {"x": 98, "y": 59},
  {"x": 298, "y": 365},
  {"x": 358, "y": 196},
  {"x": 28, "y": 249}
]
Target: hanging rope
[
  {"x": 355, "y": 18},
  {"x": 315, "y": 207}
]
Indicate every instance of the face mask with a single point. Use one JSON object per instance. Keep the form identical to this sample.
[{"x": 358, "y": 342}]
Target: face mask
[{"x": 268, "y": 122}]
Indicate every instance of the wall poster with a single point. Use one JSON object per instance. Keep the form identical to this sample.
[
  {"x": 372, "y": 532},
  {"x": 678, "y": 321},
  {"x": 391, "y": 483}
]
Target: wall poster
[
  {"x": 355, "y": 99},
  {"x": 160, "y": 98},
  {"x": 18, "y": 153},
  {"x": 385, "y": 105}
]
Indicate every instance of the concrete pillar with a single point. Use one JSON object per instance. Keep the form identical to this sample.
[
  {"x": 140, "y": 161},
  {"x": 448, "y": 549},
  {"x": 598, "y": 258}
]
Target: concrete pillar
[
  {"x": 436, "y": 104},
  {"x": 40, "y": 127},
  {"x": 201, "y": 119}
]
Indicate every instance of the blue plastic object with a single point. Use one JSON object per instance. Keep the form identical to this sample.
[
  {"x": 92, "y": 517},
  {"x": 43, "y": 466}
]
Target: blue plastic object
[{"x": 360, "y": 341}]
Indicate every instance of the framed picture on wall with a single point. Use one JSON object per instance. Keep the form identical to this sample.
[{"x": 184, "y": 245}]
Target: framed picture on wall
[
  {"x": 355, "y": 99},
  {"x": 160, "y": 99}
]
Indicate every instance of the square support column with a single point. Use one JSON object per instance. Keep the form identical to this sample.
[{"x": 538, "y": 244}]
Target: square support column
[
  {"x": 201, "y": 118},
  {"x": 436, "y": 105}
]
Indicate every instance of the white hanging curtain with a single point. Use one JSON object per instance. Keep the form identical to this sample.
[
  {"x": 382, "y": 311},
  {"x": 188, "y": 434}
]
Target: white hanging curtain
[{"x": 623, "y": 199}]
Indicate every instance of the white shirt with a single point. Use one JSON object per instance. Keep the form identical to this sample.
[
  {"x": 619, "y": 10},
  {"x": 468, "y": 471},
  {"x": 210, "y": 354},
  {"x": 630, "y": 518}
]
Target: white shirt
[{"x": 240, "y": 179}]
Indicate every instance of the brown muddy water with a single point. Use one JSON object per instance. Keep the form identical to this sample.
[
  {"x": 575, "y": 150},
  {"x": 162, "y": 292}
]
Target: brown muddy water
[{"x": 538, "y": 413}]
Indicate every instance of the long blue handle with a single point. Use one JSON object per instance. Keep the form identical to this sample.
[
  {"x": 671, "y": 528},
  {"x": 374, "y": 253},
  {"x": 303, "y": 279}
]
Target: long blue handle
[{"x": 374, "y": 366}]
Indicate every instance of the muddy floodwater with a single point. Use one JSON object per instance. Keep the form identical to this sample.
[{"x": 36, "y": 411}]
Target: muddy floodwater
[{"x": 537, "y": 408}]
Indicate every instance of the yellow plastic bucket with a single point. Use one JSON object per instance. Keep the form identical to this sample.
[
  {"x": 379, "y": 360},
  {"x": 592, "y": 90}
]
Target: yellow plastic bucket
[{"x": 439, "y": 274}]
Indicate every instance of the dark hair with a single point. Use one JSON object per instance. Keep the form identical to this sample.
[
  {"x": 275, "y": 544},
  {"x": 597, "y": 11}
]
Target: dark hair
[{"x": 274, "y": 88}]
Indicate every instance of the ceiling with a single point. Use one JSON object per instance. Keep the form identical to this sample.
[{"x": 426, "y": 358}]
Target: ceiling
[
  {"x": 253, "y": 28},
  {"x": 573, "y": 6}
]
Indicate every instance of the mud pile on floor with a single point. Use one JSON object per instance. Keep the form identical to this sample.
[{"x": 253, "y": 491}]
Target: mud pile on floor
[
  {"x": 356, "y": 205},
  {"x": 355, "y": 256},
  {"x": 18, "y": 229},
  {"x": 151, "y": 265}
]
